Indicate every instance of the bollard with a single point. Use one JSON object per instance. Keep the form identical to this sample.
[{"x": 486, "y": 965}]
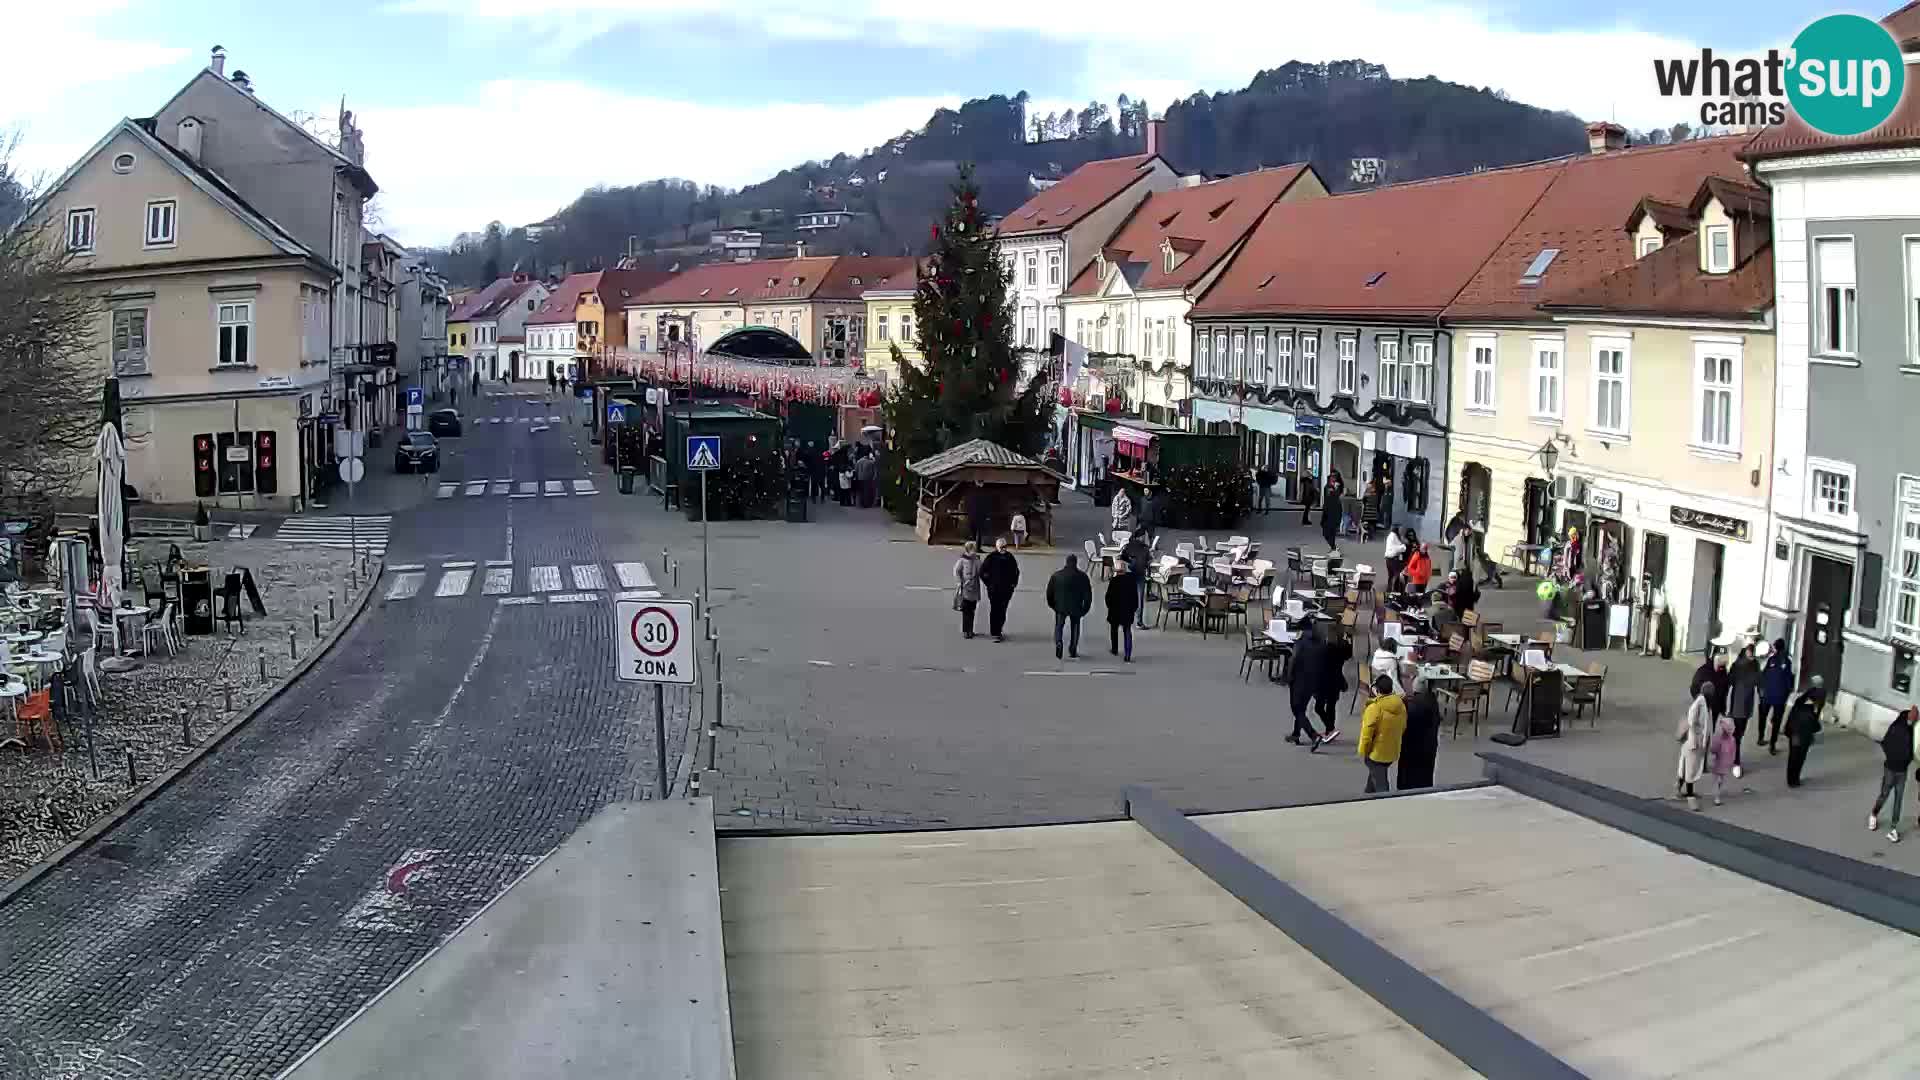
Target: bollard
[
  {"x": 676, "y": 573},
  {"x": 133, "y": 778},
  {"x": 186, "y": 727},
  {"x": 665, "y": 563},
  {"x": 316, "y": 622},
  {"x": 228, "y": 687},
  {"x": 293, "y": 648},
  {"x": 263, "y": 663},
  {"x": 330, "y": 612},
  {"x": 696, "y": 603}
]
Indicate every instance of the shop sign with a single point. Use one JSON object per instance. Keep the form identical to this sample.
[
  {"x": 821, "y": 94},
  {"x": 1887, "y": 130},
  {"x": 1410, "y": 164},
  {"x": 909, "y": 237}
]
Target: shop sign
[
  {"x": 1403, "y": 444},
  {"x": 1310, "y": 425},
  {"x": 306, "y": 406},
  {"x": 1732, "y": 528},
  {"x": 276, "y": 382},
  {"x": 1605, "y": 500}
]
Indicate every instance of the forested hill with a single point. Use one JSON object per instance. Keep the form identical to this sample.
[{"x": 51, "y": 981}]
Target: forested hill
[{"x": 1328, "y": 114}]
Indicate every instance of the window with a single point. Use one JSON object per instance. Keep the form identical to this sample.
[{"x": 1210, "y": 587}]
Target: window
[
  {"x": 160, "y": 213},
  {"x": 1028, "y": 317},
  {"x": 1546, "y": 378},
  {"x": 1913, "y": 301},
  {"x": 1610, "y": 394},
  {"x": 1481, "y": 371},
  {"x": 130, "y": 341},
  {"x": 1906, "y": 582},
  {"x": 1388, "y": 375},
  {"x": 1647, "y": 246},
  {"x": 906, "y": 326},
  {"x": 1830, "y": 491},
  {"x": 123, "y": 163},
  {"x": 1345, "y": 372},
  {"x": 236, "y": 331},
  {"x": 530, "y": 303},
  {"x": 880, "y": 327},
  {"x": 1833, "y": 262},
  {"x": 1309, "y": 361},
  {"x": 1716, "y": 396},
  {"x": 1163, "y": 336},
  {"x": 1259, "y": 373},
  {"x": 1719, "y": 248},
  {"x": 1421, "y": 372},
  {"x": 1240, "y": 356},
  {"x": 1203, "y": 356},
  {"x": 1119, "y": 336},
  {"x": 1033, "y": 269},
  {"x": 1007, "y": 265},
  {"x": 1221, "y": 370},
  {"x": 1053, "y": 324},
  {"x": 1053, "y": 268},
  {"x": 80, "y": 231}
]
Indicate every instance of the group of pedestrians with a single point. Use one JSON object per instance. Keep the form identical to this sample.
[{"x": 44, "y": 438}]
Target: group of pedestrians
[{"x": 1069, "y": 596}]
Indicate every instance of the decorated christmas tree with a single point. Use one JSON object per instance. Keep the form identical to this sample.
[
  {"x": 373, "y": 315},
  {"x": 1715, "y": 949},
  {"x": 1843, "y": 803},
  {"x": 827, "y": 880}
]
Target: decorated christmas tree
[{"x": 968, "y": 384}]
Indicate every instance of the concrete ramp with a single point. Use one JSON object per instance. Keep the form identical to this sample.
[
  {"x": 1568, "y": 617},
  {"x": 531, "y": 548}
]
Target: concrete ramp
[
  {"x": 603, "y": 961},
  {"x": 1057, "y": 951}
]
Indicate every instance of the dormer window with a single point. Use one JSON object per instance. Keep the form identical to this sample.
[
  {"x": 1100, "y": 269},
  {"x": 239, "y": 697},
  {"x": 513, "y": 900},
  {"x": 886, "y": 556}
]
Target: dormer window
[
  {"x": 1166, "y": 257},
  {"x": 771, "y": 282},
  {"x": 1719, "y": 248},
  {"x": 1647, "y": 245},
  {"x": 1537, "y": 269}
]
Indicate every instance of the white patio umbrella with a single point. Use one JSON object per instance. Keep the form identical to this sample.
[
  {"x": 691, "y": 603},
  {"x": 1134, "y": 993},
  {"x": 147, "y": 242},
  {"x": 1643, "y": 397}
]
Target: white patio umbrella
[{"x": 110, "y": 456}]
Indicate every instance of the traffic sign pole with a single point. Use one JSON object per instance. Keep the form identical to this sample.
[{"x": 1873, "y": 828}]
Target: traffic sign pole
[
  {"x": 660, "y": 734},
  {"x": 706, "y": 534}
]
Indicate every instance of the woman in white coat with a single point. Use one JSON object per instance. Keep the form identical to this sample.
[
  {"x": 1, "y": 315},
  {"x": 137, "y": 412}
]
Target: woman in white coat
[{"x": 1694, "y": 735}]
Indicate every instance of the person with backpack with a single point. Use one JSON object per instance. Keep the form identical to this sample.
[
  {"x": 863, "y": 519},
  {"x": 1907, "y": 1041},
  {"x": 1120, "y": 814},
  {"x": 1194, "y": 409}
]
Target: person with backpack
[
  {"x": 1070, "y": 597},
  {"x": 1896, "y": 749}
]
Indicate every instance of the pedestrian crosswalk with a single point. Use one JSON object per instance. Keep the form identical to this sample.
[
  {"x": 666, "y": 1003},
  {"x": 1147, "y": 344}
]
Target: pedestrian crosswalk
[
  {"x": 554, "y": 583},
  {"x": 365, "y": 533},
  {"x": 511, "y": 489},
  {"x": 517, "y": 419}
]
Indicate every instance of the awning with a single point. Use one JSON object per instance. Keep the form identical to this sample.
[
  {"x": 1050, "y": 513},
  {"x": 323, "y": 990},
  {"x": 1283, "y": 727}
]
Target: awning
[
  {"x": 1269, "y": 421},
  {"x": 1210, "y": 411},
  {"x": 1131, "y": 437}
]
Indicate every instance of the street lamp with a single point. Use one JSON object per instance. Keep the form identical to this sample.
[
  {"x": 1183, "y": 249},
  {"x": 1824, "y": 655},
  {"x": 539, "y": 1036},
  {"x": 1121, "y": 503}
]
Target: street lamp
[{"x": 1549, "y": 455}]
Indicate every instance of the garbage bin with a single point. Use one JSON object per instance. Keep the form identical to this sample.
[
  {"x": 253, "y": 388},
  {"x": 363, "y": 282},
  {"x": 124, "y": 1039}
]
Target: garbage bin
[
  {"x": 196, "y": 600},
  {"x": 1593, "y": 625},
  {"x": 1103, "y": 493},
  {"x": 626, "y": 481}
]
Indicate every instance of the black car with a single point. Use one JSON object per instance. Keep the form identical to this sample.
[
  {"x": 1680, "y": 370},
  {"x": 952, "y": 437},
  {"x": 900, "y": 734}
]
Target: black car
[
  {"x": 419, "y": 451},
  {"x": 444, "y": 422}
]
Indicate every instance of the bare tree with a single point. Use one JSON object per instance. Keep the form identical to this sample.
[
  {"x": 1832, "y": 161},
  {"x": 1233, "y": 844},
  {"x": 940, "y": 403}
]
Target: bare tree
[{"x": 49, "y": 376}]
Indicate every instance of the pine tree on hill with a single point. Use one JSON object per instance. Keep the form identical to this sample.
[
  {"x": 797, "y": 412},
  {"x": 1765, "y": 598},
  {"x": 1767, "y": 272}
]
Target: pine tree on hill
[{"x": 967, "y": 385}]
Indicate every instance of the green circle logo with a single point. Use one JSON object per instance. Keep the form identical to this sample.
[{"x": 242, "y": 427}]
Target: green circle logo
[{"x": 1847, "y": 75}]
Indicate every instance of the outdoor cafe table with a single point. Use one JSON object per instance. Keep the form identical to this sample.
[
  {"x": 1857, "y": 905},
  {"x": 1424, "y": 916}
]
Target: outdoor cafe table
[{"x": 123, "y": 615}]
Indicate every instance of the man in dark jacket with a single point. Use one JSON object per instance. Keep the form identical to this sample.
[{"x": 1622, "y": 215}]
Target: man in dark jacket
[
  {"x": 1776, "y": 686},
  {"x": 1305, "y": 667},
  {"x": 1420, "y": 746},
  {"x": 1263, "y": 481},
  {"x": 1070, "y": 595},
  {"x": 1331, "y": 680},
  {"x": 1123, "y": 599},
  {"x": 1803, "y": 723},
  {"x": 1710, "y": 679},
  {"x": 1309, "y": 498},
  {"x": 1139, "y": 558},
  {"x": 1896, "y": 746},
  {"x": 999, "y": 575}
]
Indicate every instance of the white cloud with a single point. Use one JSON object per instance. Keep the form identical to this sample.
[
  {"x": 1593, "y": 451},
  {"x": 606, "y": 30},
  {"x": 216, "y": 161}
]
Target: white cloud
[
  {"x": 518, "y": 151},
  {"x": 1147, "y": 49}
]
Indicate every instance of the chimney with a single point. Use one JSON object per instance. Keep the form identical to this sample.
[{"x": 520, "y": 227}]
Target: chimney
[
  {"x": 1156, "y": 132},
  {"x": 187, "y": 138},
  {"x": 219, "y": 64},
  {"x": 799, "y": 249},
  {"x": 1604, "y": 135},
  {"x": 240, "y": 80}
]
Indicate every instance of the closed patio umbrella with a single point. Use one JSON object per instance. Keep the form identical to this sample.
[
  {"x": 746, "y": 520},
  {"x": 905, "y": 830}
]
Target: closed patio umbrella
[{"x": 110, "y": 458}]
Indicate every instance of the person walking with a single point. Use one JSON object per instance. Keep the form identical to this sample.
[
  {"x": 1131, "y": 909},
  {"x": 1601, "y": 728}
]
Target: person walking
[
  {"x": 1309, "y": 498},
  {"x": 966, "y": 592},
  {"x": 1396, "y": 553},
  {"x": 1710, "y": 681},
  {"x": 1070, "y": 596},
  {"x": 1263, "y": 481},
  {"x": 1123, "y": 598},
  {"x": 1385, "y": 663},
  {"x": 1122, "y": 510},
  {"x": 1419, "y": 569},
  {"x": 865, "y": 469},
  {"x": 1331, "y": 682},
  {"x": 1000, "y": 574},
  {"x": 1459, "y": 537},
  {"x": 1776, "y": 686},
  {"x": 1420, "y": 746},
  {"x": 1330, "y": 510},
  {"x": 1382, "y": 728},
  {"x": 551, "y": 380},
  {"x": 1308, "y": 653},
  {"x": 1803, "y": 723},
  {"x": 1743, "y": 689},
  {"x": 816, "y": 462},
  {"x": 1896, "y": 749},
  {"x": 1138, "y": 557},
  {"x": 1693, "y": 734}
]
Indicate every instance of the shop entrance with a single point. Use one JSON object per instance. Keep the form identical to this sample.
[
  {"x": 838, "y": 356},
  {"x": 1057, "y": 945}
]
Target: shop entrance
[
  {"x": 1703, "y": 611},
  {"x": 1829, "y": 594},
  {"x": 1346, "y": 461}
]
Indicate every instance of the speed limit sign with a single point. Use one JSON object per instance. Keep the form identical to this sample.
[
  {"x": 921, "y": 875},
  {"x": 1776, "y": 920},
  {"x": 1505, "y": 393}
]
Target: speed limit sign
[{"x": 654, "y": 641}]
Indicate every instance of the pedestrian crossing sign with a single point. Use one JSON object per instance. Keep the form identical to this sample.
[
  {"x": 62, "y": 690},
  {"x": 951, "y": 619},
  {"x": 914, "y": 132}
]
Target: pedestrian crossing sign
[{"x": 703, "y": 452}]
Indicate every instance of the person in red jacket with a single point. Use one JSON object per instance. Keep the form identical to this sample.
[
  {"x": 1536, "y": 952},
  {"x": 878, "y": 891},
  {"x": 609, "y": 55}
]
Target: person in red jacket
[{"x": 1419, "y": 570}]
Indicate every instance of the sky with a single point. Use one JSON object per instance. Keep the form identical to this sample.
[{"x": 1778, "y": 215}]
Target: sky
[{"x": 481, "y": 110}]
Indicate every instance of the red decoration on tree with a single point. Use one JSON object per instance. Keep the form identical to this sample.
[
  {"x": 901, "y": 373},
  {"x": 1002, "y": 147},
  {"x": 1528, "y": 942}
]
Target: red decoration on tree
[
  {"x": 936, "y": 232},
  {"x": 1066, "y": 396}
]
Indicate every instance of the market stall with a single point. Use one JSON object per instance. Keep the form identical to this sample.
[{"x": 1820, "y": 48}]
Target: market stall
[{"x": 1005, "y": 483}]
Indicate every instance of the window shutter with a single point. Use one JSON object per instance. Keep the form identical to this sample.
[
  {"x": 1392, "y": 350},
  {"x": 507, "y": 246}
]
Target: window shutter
[{"x": 1871, "y": 569}]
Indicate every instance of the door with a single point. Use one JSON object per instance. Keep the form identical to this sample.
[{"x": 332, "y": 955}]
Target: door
[
  {"x": 1346, "y": 461},
  {"x": 1703, "y": 610},
  {"x": 1829, "y": 595}
]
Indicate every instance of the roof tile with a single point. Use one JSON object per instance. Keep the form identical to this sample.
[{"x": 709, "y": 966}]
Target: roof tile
[
  {"x": 1078, "y": 194},
  {"x": 1901, "y": 129},
  {"x": 1670, "y": 283},
  {"x": 560, "y": 304},
  {"x": 819, "y": 277},
  {"x": 1204, "y": 221}
]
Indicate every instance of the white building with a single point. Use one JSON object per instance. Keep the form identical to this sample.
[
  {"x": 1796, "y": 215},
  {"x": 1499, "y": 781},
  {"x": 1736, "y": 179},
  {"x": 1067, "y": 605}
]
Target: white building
[{"x": 496, "y": 319}]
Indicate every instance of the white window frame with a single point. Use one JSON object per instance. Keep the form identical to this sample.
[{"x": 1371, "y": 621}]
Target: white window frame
[
  {"x": 228, "y": 341},
  {"x": 1146, "y": 337},
  {"x": 170, "y": 217},
  {"x": 1910, "y": 246},
  {"x": 1718, "y": 232},
  {"x": 1646, "y": 246},
  {"x": 1283, "y": 358},
  {"x": 1309, "y": 362},
  {"x": 1033, "y": 269},
  {"x": 1722, "y": 349},
  {"x": 880, "y": 327},
  {"x": 129, "y": 360},
  {"x": 1903, "y": 577},
  {"x": 1483, "y": 378},
  {"x": 1238, "y": 371},
  {"x": 1203, "y": 355},
  {"x": 1599, "y": 379},
  {"x": 81, "y": 230},
  {"x": 1222, "y": 359},
  {"x": 1819, "y": 507},
  {"x": 1386, "y": 373},
  {"x": 1847, "y": 344},
  {"x": 1346, "y": 374},
  {"x": 1536, "y": 373},
  {"x": 1053, "y": 267},
  {"x": 906, "y": 326}
]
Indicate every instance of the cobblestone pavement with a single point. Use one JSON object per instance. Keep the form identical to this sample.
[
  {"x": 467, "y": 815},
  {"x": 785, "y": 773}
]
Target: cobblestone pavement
[
  {"x": 440, "y": 749},
  {"x": 46, "y": 799}
]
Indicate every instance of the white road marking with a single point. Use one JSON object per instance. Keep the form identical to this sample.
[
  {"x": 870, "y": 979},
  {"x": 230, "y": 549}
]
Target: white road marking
[
  {"x": 584, "y": 487},
  {"x": 573, "y": 598},
  {"x": 821, "y": 663},
  {"x": 476, "y": 487},
  {"x": 499, "y": 582},
  {"x": 528, "y": 487},
  {"x": 524, "y": 495},
  {"x": 466, "y": 565},
  {"x": 499, "y": 562},
  {"x": 639, "y": 594},
  {"x": 588, "y": 576},
  {"x": 507, "y": 600},
  {"x": 446, "y": 491},
  {"x": 397, "y": 567},
  {"x": 454, "y": 583},
  {"x": 537, "y": 427},
  {"x": 554, "y": 487},
  {"x": 553, "y": 419},
  {"x": 633, "y": 575},
  {"x": 404, "y": 586},
  {"x": 501, "y": 487},
  {"x": 544, "y": 579}
]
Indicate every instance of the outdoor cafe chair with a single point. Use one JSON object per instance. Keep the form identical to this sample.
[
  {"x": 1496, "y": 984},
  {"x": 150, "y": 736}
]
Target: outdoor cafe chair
[
  {"x": 1184, "y": 552},
  {"x": 162, "y": 629},
  {"x": 1470, "y": 697},
  {"x": 1260, "y": 648},
  {"x": 1239, "y": 541},
  {"x": 1095, "y": 559},
  {"x": 1121, "y": 536},
  {"x": 1178, "y": 603},
  {"x": 1296, "y": 567},
  {"x": 1214, "y": 607}
]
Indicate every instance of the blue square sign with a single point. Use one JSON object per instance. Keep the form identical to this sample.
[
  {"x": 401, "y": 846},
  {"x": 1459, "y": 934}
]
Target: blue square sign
[
  {"x": 416, "y": 395},
  {"x": 703, "y": 452},
  {"x": 616, "y": 414}
]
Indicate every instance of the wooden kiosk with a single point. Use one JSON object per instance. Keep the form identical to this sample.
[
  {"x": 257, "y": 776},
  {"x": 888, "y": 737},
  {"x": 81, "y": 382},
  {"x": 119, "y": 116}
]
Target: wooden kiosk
[{"x": 1013, "y": 484}]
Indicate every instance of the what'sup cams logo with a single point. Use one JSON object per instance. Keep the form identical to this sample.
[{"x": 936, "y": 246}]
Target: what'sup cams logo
[{"x": 1843, "y": 76}]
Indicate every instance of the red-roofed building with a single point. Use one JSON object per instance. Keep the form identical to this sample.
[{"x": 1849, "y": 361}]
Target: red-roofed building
[
  {"x": 563, "y": 332},
  {"x": 815, "y": 299},
  {"x": 485, "y": 321}
]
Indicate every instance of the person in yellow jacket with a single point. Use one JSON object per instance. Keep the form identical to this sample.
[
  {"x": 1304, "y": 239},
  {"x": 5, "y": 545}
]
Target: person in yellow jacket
[{"x": 1381, "y": 727}]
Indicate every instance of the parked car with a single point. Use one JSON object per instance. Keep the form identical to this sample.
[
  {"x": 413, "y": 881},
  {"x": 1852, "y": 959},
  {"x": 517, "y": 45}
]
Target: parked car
[
  {"x": 418, "y": 451},
  {"x": 444, "y": 422}
]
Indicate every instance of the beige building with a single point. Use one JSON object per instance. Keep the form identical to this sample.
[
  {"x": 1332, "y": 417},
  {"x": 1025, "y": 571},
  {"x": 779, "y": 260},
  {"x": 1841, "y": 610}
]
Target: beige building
[
  {"x": 890, "y": 325},
  {"x": 817, "y": 300},
  {"x": 1640, "y": 413},
  {"x": 214, "y": 318}
]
